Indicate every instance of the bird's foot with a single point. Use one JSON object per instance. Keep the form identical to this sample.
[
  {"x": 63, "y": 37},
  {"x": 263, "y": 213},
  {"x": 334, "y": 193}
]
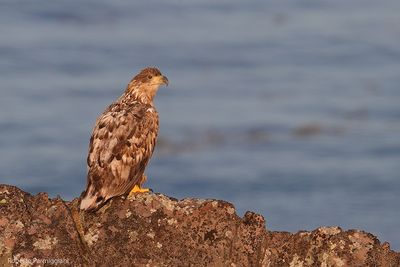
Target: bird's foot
[{"x": 137, "y": 189}]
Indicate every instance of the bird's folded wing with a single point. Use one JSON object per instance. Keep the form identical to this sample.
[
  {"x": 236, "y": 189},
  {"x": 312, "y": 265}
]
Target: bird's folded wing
[{"x": 120, "y": 147}]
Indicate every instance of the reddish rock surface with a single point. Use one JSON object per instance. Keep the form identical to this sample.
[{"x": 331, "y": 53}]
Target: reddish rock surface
[{"x": 155, "y": 230}]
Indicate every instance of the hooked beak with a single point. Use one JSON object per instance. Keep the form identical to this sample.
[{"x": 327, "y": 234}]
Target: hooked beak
[
  {"x": 160, "y": 80},
  {"x": 164, "y": 80}
]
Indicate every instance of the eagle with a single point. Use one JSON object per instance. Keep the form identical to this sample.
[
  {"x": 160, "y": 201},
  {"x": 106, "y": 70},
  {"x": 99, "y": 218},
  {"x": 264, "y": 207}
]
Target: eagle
[{"x": 123, "y": 142}]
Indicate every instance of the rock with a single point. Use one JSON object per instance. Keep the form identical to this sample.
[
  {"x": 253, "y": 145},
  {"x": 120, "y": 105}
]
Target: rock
[{"x": 156, "y": 230}]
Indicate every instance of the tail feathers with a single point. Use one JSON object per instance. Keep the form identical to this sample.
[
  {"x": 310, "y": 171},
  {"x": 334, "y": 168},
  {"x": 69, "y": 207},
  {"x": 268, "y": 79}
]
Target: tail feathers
[{"x": 92, "y": 202}]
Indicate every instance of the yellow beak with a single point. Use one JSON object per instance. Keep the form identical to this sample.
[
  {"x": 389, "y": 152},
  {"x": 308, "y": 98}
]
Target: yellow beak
[{"x": 160, "y": 80}]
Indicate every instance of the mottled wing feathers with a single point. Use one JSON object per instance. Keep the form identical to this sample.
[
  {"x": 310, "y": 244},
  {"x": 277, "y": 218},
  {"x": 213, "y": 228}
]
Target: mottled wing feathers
[{"x": 121, "y": 145}]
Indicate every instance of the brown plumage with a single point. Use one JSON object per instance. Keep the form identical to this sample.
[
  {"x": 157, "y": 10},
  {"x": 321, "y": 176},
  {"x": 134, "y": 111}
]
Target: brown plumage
[{"x": 123, "y": 141}]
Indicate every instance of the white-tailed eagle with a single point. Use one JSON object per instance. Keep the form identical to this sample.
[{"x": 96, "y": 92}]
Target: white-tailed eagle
[{"x": 123, "y": 141}]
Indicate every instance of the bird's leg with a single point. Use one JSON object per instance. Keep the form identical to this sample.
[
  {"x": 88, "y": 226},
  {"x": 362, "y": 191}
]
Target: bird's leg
[{"x": 138, "y": 187}]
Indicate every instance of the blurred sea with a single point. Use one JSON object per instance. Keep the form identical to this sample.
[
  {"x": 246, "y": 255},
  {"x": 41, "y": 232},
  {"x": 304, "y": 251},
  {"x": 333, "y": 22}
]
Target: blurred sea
[{"x": 287, "y": 108}]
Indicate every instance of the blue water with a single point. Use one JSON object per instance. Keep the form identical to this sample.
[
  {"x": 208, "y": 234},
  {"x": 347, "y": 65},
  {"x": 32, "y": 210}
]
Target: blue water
[{"x": 287, "y": 108}]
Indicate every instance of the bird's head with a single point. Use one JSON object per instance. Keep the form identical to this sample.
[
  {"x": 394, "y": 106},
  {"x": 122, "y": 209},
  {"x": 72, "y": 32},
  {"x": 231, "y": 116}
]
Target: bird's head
[{"x": 146, "y": 83}]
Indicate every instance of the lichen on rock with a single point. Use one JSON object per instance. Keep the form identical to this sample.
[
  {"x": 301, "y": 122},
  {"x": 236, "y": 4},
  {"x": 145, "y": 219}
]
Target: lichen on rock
[{"x": 156, "y": 230}]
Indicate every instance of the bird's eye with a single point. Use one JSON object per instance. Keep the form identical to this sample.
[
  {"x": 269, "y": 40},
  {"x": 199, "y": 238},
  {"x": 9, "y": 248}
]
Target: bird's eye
[{"x": 149, "y": 77}]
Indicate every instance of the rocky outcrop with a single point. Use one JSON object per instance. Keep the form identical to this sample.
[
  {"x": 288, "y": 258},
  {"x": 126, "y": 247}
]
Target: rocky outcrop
[{"x": 155, "y": 230}]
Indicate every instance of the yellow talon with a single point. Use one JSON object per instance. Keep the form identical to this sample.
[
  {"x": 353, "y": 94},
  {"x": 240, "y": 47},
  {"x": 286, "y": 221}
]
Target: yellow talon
[{"x": 138, "y": 189}]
